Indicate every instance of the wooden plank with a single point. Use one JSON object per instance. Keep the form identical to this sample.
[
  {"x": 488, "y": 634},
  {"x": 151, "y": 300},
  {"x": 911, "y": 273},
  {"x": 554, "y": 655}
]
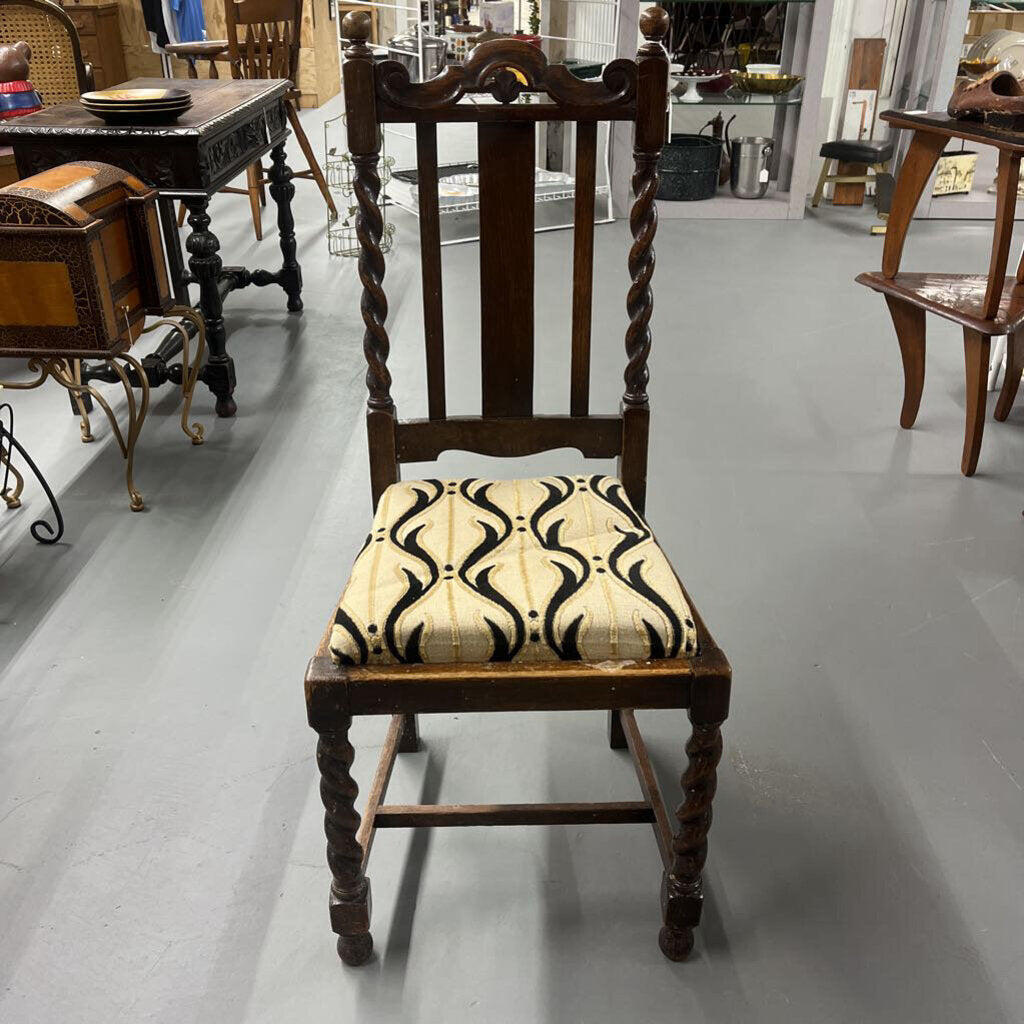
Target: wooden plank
[
  {"x": 597, "y": 437},
  {"x": 430, "y": 264},
  {"x": 506, "y": 158},
  {"x": 623, "y": 812},
  {"x": 867, "y": 60},
  {"x": 379, "y": 786},
  {"x": 648, "y": 785},
  {"x": 583, "y": 266}
]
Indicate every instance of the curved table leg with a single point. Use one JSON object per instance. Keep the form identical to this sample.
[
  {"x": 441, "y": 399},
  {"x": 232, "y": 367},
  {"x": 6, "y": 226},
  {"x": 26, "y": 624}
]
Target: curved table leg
[{"x": 976, "y": 347}]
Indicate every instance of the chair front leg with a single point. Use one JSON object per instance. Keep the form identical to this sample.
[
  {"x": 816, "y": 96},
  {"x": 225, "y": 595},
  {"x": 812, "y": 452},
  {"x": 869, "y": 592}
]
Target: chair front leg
[
  {"x": 350, "y": 889},
  {"x": 682, "y": 894}
]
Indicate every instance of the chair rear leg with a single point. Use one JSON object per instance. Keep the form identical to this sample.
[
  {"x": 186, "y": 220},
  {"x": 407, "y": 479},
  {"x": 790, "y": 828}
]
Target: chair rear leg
[
  {"x": 1011, "y": 378},
  {"x": 350, "y": 889},
  {"x": 314, "y": 165},
  {"x": 976, "y": 348},
  {"x": 910, "y": 332},
  {"x": 616, "y": 736},
  {"x": 409, "y": 742},
  {"x": 252, "y": 186},
  {"x": 682, "y": 894}
]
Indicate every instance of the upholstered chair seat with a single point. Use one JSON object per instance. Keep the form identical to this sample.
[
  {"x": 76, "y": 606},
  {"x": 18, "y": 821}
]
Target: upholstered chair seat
[{"x": 548, "y": 569}]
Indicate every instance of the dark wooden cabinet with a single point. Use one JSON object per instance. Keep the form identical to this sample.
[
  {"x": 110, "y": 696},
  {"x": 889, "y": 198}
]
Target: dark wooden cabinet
[{"x": 99, "y": 31}]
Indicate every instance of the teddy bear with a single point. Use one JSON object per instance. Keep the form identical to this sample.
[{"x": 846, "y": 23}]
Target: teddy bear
[{"x": 18, "y": 96}]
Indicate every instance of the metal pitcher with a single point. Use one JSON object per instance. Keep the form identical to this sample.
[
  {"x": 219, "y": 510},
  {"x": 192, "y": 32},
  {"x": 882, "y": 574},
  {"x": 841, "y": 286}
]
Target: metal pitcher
[{"x": 748, "y": 175}]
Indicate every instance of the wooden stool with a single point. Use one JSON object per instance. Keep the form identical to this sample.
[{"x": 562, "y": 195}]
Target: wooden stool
[
  {"x": 852, "y": 151},
  {"x": 511, "y": 595},
  {"x": 984, "y": 305}
]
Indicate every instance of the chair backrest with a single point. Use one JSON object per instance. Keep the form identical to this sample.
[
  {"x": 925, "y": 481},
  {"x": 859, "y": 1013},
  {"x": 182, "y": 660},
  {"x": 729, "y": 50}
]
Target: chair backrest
[
  {"x": 377, "y": 94},
  {"x": 56, "y": 69},
  {"x": 263, "y": 38}
]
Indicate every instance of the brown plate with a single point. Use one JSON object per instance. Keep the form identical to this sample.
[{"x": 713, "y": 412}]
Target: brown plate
[{"x": 136, "y": 97}]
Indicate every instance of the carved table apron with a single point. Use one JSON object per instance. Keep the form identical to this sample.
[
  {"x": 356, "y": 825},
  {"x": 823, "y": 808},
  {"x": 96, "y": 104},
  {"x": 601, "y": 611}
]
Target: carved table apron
[{"x": 232, "y": 123}]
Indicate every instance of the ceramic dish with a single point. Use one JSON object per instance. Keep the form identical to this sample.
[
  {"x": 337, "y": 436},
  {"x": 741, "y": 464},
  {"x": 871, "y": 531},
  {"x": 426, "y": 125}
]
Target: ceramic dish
[
  {"x": 135, "y": 97},
  {"x": 763, "y": 69}
]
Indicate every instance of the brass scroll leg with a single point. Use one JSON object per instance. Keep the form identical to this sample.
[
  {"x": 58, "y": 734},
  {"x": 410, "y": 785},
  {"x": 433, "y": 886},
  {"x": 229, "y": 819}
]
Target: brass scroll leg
[
  {"x": 64, "y": 375},
  {"x": 189, "y": 367},
  {"x": 136, "y": 417},
  {"x": 75, "y": 368}
]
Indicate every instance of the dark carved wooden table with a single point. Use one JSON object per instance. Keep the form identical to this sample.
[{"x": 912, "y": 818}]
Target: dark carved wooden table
[{"x": 231, "y": 125}]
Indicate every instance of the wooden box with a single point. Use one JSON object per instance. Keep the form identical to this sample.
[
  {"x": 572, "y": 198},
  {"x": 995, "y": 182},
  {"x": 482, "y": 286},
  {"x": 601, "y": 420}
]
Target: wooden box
[{"x": 81, "y": 262}]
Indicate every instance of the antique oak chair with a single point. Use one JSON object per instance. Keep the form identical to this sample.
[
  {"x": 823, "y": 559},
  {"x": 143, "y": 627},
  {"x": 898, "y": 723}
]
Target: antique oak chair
[
  {"x": 544, "y": 594},
  {"x": 263, "y": 42}
]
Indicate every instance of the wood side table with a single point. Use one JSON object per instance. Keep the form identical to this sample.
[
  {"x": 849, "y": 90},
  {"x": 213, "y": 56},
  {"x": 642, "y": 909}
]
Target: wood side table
[
  {"x": 985, "y": 305},
  {"x": 231, "y": 125}
]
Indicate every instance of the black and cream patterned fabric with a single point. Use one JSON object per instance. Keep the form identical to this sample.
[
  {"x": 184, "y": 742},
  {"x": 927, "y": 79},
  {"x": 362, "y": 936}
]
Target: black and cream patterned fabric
[{"x": 548, "y": 569}]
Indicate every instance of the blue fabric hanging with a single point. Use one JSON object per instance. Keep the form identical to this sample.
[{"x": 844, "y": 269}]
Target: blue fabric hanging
[{"x": 191, "y": 22}]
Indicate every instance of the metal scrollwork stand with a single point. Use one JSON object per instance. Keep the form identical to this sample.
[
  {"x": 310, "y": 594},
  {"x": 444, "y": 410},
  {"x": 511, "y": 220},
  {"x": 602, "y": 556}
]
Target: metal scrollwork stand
[
  {"x": 68, "y": 374},
  {"x": 41, "y": 530}
]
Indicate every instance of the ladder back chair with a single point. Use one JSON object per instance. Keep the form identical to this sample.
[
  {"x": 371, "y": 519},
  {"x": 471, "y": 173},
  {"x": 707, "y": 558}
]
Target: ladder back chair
[
  {"x": 263, "y": 41},
  {"x": 511, "y": 595}
]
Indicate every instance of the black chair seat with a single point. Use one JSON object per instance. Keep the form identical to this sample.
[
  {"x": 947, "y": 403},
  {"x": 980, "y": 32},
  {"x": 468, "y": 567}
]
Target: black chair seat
[{"x": 858, "y": 151}]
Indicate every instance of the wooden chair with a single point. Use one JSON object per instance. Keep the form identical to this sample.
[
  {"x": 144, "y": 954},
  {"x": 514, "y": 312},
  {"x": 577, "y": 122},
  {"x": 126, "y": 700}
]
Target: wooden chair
[
  {"x": 57, "y": 69},
  {"x": 263, "y": 42},
  {"x": 545, "y": 594}
]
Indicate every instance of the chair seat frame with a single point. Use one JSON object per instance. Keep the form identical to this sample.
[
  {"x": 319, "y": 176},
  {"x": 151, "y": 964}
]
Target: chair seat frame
[{"x": 700, "y": 683}]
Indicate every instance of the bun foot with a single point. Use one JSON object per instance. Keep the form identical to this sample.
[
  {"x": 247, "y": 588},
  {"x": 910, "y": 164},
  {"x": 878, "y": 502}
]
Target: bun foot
[
  {"x": 226, "y": 407},
  {"x": 676, "y": 943},
  {"x": 356, "y": 949}
]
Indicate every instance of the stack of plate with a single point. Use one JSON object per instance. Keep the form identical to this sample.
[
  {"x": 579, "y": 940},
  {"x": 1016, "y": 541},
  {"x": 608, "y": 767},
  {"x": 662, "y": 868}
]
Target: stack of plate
[{"x": 137, "y": 106}]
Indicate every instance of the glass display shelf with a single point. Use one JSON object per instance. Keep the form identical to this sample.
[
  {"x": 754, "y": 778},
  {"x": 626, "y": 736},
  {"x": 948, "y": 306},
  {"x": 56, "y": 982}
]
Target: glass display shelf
[
  {"x": 744, "y": 3},
  {"x": 734, "y": 97}
]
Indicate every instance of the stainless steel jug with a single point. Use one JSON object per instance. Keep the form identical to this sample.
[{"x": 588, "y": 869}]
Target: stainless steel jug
[
  {"x": 406, "y": 48},
  {"x": 748, "y": 175}
]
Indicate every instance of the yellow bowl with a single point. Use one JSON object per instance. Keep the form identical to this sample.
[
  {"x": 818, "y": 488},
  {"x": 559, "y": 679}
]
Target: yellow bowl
[{"x": 765, "y": 84}]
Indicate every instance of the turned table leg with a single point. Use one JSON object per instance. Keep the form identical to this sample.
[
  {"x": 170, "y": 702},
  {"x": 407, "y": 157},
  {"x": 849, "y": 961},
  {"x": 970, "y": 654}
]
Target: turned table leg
[
  {"x": 282, "y": 189},
  {"x": 682, "y": 894},
  {"x": 350, "y": 889},
  {"x": 205, "y": 264}
]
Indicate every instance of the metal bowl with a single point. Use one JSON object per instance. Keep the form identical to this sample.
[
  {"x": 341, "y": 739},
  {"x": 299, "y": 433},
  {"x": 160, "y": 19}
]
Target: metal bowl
[{"x": 774, "y": 85}]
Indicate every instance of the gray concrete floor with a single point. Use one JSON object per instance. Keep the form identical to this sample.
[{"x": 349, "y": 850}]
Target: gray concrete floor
[{"x": 161, "y": 852}]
